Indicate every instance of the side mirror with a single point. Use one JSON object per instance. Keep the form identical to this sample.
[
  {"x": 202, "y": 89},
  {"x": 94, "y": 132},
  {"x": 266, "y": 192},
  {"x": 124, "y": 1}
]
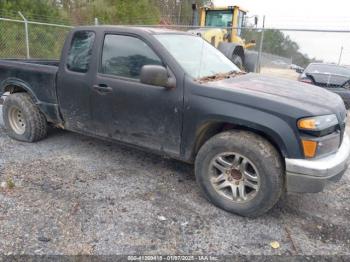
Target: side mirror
[{"x": 156, "y": 75}]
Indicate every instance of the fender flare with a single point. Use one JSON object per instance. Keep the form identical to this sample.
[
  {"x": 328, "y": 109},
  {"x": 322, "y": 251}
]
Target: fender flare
[
  {"x": 273, "y": 128},
  {"x": 18, "y": 83},
  {"x": 270, "y": 134},
  {"x": 51, "y": 111}
]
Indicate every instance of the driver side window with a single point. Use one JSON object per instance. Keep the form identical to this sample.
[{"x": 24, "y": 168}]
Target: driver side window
[{"x": 125, "y": 56}]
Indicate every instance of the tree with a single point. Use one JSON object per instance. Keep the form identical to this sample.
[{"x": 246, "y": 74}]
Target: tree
[
  {"x": 47, "y": 41},
  {"x": 111, "y": 11},
  {"x": 277, "y": 43},
  {"x": 32, "y": 9},
  {"x": 44, "y": 41},
  {"x": 125, "y": 11}
]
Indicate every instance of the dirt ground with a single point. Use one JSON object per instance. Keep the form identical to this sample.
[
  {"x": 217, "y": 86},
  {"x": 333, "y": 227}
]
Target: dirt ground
[
  {"x": 77, "y": 195},
  {"x": 280, "y": 72}
]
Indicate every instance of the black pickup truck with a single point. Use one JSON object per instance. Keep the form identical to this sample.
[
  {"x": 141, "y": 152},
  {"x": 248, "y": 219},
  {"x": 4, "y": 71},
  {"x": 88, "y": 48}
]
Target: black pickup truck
[{"x": 250, "y": 137}]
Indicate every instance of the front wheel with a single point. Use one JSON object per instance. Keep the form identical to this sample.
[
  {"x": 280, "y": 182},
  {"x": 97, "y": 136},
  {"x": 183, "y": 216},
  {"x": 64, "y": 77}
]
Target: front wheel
[
  {"x": 22, "y": 118},
  {"x": 240, "y": 172}
]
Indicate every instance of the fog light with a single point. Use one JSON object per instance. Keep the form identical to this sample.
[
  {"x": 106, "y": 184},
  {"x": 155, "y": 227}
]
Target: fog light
[{"x": 309, "y": 147}]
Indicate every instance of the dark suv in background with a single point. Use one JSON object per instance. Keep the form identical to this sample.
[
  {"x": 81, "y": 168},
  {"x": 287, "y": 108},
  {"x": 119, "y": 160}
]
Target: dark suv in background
[{"x": 335, "y": 78}]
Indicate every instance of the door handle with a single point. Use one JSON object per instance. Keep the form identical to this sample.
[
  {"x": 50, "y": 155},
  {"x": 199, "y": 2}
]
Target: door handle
[{"x": 102, "y": 88}]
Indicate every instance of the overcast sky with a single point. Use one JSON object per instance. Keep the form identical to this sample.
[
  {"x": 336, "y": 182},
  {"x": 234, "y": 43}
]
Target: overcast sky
[{"x": 307, "y": 14}]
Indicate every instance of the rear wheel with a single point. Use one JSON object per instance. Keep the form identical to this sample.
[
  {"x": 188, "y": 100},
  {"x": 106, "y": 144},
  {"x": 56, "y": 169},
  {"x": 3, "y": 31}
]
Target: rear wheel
[
  {"x": 22, "y": 118},
  {"x": 240, "y": 172}
]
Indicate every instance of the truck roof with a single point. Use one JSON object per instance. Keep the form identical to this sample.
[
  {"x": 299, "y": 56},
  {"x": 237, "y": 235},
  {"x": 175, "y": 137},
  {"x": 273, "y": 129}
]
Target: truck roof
[{"x": 150, "y": 30}]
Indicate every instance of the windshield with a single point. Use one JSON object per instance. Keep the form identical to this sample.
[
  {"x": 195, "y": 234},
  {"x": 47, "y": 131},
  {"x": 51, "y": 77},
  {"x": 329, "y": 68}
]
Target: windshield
[
  {"x": 219, "y": 18},
  {"x": 327, "y": 69},
  {"x": 196, "y": 56}
]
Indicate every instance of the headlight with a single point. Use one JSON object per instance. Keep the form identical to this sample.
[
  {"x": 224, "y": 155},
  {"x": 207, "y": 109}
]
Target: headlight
[
  {"x": 317, "y": 123},
  {"x": 322, "y": 144}
]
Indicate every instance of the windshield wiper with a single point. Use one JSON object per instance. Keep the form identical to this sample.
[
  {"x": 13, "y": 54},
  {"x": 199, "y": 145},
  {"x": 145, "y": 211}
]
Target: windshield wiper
[{"x": 220, "y": 76}]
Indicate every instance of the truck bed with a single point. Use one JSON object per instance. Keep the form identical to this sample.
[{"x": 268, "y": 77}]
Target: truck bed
[{"x": 38, "y": 75}]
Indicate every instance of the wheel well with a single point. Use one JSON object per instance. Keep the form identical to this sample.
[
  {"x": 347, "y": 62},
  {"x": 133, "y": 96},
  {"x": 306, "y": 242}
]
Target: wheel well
[
  {"x": 211, "y": 129},
  {"x": 14, "y": 89},
  {"x": 17, "y": 89}
]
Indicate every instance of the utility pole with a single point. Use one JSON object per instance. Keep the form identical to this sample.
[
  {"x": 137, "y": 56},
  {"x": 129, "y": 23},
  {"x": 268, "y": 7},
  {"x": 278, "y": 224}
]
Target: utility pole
[{"x": 341, "y": 54}]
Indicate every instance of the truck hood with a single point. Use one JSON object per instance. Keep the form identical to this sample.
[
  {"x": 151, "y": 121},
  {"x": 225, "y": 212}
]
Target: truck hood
[{"x": 309, "y": 99}]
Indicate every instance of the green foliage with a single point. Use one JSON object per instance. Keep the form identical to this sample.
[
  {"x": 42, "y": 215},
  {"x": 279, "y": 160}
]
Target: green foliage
[
  {"x": 134, "y": 12},
  {"x": 10, "y": 183},
  {"x": 47, "y": 41},
  {"x": 186, "y": 17},
  {"x": 277, "y": 43},
  {"x": 44, "y": 9},
  {"x": 112, "y": 11}
]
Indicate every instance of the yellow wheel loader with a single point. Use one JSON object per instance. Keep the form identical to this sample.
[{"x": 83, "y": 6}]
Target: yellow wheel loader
[{"x": 222, "y": 27}]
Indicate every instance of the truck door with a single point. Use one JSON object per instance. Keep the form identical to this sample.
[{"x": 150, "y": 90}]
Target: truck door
[
  {"x": 125, "y": 109},
  {"x": 74, "y": 81}
]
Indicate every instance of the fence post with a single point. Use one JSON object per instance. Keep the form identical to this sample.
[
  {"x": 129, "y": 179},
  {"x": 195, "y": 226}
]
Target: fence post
[
  {"x": 341, "y": 54},
  {"x": 26, "y": 32},
  {"x": 261, "y": 46}
]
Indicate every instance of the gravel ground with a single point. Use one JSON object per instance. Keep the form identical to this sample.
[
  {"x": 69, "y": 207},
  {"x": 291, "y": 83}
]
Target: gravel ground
[{"x": 78, "y": 195}]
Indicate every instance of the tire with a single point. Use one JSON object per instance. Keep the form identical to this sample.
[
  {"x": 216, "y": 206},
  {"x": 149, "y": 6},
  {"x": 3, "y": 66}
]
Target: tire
[
  {"x": 347, "y": 104},
  {"x": 238, "y": 61},
  {"x": 22, "y": 118},
  {"x": 255, "y": 154}
]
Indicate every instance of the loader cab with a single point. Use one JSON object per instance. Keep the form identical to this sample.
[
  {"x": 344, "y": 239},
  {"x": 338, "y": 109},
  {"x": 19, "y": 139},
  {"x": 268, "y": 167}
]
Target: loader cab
[
  {"x": 231, "y": 18},
  {"x": 219, "y": 18}
]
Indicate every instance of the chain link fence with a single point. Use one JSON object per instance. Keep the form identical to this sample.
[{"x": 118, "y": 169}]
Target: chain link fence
[
  {"x": 28, "y": 39},
  {"x": 282, "y": 52},
  {"x": 12, "y": 40}
]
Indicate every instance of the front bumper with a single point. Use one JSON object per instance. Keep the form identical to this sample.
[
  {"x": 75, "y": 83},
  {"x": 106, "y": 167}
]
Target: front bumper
[{"x": 311, "y": 176}]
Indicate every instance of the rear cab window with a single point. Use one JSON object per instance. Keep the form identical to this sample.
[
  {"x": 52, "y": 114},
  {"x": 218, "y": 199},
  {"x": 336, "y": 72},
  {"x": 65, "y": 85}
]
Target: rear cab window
[{"x": 80, "y": 51}]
